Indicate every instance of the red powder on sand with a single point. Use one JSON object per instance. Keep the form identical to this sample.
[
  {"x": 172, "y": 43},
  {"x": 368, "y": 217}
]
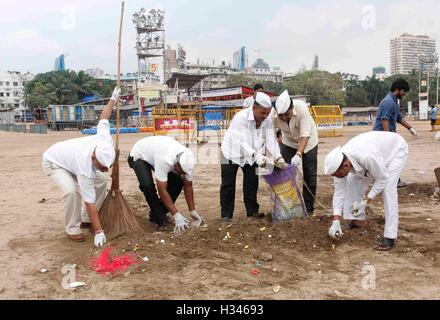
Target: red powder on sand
[{"x": 108, "y": 265}]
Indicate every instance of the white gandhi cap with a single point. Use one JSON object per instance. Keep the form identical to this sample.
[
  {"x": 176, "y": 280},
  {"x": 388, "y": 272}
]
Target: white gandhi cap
[
  {"x": 333, "y": 161},
  {"x": 105, "y": 154},
  {"x": 187, "y": 162},
  {"x": 263, "y": 100},
  {"x": 283, "y": 103}
]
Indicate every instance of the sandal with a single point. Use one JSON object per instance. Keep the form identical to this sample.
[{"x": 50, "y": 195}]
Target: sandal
[
  {"x": 384, "y": 245},
  {"x": 76, "y": 237},
  {"x": 162, "y": 228}
]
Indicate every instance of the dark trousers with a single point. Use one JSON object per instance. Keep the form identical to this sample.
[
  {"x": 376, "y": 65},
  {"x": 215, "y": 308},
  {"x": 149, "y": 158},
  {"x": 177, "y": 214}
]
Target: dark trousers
[
  {"x": 227, "y": 191},
  {"x": 310, "y": 170},
  {"x": 144, "y": 175}
]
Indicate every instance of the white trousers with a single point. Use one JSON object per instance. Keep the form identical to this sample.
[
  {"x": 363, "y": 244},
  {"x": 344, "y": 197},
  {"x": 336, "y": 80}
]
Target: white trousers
[
  {"x": 71, "y": 197},
  {"x": 357, "y": 187}
]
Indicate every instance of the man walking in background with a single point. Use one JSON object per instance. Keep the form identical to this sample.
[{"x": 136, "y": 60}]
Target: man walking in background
[
  {"x": 249, "y": 101},
  {"x": 389, "y": 114},
  {"x": 434, "y": 111}
]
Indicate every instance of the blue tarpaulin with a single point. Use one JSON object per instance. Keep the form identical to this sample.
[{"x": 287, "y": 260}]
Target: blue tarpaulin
[
  {"x": 213, "y": 120},
  {"x": 91, "y": 98}
]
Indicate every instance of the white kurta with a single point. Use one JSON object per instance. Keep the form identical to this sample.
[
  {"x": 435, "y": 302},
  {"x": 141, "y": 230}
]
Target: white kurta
[
  {"x": 242, "y": 139},
  {"x": 161, "y": 153},
  {"x": 300, "y": 125},
  {"x": 75, "y": 156},
  {"x": 379, "y": 158},
  {"x": 69, "y": 163}
]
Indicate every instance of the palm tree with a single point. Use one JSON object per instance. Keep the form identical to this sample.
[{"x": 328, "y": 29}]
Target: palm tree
[
  {"x": 63, "y": 89},
  {"x": 84, "y": 84}
]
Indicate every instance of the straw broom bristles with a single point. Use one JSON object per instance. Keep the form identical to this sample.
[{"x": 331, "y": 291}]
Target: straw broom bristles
[{"x": 115, "y": 214}]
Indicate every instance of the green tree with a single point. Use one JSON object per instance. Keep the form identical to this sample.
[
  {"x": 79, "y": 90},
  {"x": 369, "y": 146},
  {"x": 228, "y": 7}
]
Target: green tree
[
  {"x": 64, "y": 87},
  {"x": 357, "y": 96},
  {"x": 40, "y": 96},
  {"x": 239, "y": 80},
  {"x": 84, "y": 84},
  {"x": 323, "y": 88}
]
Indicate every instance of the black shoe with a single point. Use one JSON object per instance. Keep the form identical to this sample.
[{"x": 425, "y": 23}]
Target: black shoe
[
  {"x": 384, "y": 245},
  {"x": 226, "y": 220},
  {"x": 161, "y": 227},
  {"x": 256, "y": 215}
]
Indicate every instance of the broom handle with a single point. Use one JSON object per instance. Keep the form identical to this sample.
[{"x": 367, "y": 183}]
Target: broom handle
[
  {"x": 115, "y": 169},
  {"x": 119, "y": 74}
]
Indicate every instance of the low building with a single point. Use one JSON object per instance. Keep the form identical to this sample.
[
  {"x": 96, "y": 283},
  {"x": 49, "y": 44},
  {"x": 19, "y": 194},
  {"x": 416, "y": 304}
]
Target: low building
[
  {"x": 261, "y": 72},
  {"x": 12, "y": 85}
]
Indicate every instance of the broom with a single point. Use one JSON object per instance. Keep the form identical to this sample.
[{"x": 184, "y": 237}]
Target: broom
[{"x": 115, "y": 215}]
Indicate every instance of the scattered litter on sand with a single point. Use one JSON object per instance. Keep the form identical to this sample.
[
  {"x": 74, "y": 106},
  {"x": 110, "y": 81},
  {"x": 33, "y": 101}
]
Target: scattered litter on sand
[{"x": 76, "y": 285}]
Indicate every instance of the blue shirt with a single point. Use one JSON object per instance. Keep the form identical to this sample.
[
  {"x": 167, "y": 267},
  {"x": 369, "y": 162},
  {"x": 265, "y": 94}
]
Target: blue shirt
[
  {"x": 434, "y": 112},
  {"x": 389, "y": 109}
]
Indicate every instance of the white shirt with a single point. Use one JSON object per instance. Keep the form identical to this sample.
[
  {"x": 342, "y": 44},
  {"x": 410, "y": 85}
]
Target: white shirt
[
  {"x": 161, "y": 153},
  {"x": 300, "y": 125},
  {"x": 75, "y": 156},
  {"x": 248, "y": 102},
  {"x": 370, "y": 154},
  {"x": 243, "y": 139}
]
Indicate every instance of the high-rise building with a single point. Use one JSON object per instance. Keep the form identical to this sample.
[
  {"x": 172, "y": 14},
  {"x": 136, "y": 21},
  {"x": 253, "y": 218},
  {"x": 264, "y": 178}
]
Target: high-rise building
[
  {"x": 407, "y": 50},
  {"x": 240, "y": 59},
  {"x": 379, "y": 73},
  {"x": 316, "y": 63},
  {"x": 59, "y": 63}
]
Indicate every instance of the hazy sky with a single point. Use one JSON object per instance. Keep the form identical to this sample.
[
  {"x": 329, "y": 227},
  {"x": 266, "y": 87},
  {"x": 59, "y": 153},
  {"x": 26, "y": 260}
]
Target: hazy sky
[{"x": 348, "y": 35}]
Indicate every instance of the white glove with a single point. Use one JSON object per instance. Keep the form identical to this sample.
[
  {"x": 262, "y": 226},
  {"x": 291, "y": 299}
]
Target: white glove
[
  {"x": 261, "y": 160},
  {"x": 180, "y": 223},
  {"x": 437, "y": 137},
  {"x": 115, "y": 94},
  {"x": 359, "y": 208},
  {"x": 196, "y": 216},
  {"x": 100, "y": 239},
  {"x": 280, "y": 163},
  {"x": 413, "y": 132},
  {"x": 197, "y": 219},
  {"x": 335, "y": 230},
  {"x": 296, "y": 160}
]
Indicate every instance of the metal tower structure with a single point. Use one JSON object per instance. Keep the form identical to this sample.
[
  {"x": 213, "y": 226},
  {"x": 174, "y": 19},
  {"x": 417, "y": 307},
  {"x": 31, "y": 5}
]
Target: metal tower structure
[{"x": 150, "y": 40}]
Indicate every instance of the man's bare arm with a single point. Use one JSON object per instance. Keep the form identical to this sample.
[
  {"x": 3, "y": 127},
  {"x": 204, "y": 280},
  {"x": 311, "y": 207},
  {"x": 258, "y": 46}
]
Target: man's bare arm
[
  {"x": 386, "y": 125},
  {"x": 107, "y": 112}
]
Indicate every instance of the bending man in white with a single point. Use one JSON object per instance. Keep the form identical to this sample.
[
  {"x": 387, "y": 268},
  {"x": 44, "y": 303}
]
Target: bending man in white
[
  {"x": 77, "y": 167},
  {"x": 377, "y": 157}
]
